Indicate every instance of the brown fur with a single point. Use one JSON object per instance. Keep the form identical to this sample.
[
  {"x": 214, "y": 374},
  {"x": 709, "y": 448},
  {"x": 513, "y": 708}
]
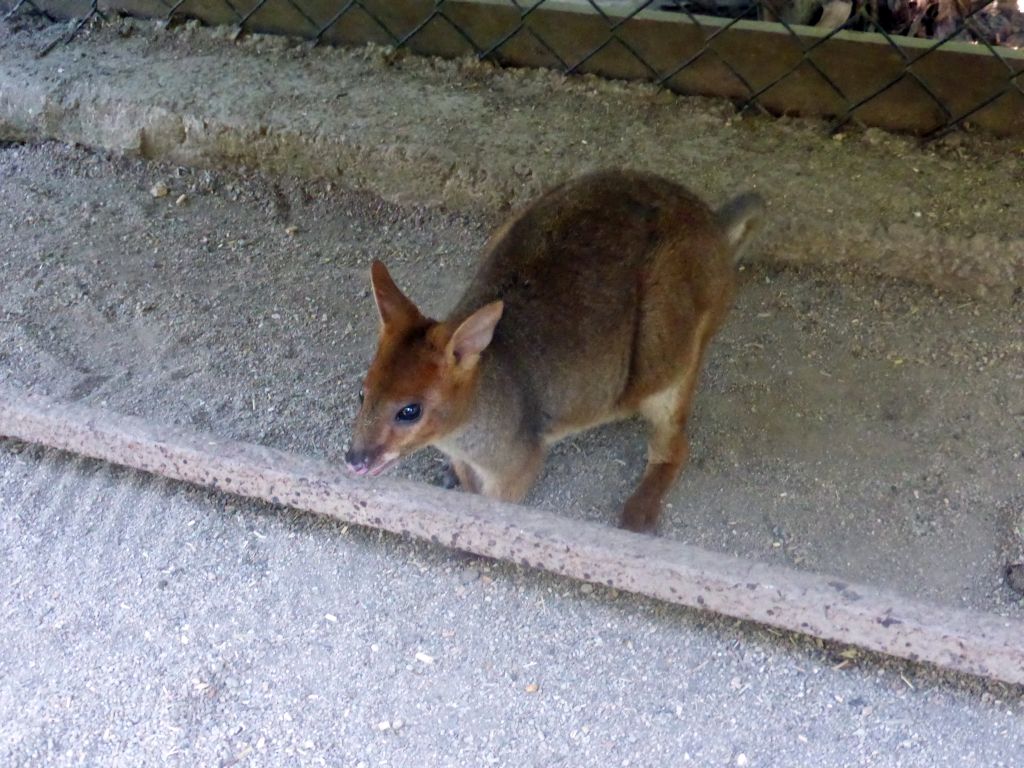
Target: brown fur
[{"x": 602, "y": 296}]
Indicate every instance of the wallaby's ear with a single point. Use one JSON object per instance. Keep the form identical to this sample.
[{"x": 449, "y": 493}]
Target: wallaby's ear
[
  {"x": 393, "y": 306},
  {"x": 472, "y": 337}
]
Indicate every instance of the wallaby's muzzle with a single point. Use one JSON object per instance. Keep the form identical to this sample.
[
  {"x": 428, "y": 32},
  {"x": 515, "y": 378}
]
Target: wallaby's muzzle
[{"x": 369, "y": 461}]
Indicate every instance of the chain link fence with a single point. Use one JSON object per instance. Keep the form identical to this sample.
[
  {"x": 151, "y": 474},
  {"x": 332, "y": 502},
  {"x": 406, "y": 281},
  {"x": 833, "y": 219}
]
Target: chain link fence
[{"x": 928, "y": 66}]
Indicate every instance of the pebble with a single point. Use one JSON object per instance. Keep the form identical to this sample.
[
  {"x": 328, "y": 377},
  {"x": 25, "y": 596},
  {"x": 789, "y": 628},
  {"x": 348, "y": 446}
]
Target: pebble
[
  {"x": 875, "y": 136},
  {"x": 159, "y": 190}
]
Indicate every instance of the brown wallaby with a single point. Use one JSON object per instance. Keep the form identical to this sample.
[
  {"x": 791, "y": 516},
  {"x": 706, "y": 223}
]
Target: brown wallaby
[{"x": 594, "y": 303}]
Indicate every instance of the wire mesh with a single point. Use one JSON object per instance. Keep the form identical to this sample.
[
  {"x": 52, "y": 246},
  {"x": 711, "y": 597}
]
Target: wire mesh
[{"x": 802, "y": 67}]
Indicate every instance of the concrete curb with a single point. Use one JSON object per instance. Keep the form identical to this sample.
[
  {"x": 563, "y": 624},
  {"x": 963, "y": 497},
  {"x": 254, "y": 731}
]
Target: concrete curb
[
  {"x": 980, "y": 644},
  {"x": 464, "y": 135}
]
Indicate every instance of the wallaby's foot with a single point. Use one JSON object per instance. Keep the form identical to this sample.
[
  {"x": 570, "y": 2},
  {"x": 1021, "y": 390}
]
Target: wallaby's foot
[
  {"x": 640, "y": 513},
  {"x": 643, "y": 508},
  {"x": 448, "y": 478}
]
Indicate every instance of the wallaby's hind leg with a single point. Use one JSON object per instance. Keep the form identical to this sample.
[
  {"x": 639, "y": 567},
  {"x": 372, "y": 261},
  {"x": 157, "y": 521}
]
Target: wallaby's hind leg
[
  {"x": 667, "y": 452},
  {"x": 668, "y": 448},
  {"x": 516, "y": 480}
]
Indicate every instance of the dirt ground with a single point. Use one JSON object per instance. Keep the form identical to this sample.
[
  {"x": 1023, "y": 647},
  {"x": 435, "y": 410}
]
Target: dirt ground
[
  {"x": 862, "y": 427},
  {"x": 472, "y": 137}
]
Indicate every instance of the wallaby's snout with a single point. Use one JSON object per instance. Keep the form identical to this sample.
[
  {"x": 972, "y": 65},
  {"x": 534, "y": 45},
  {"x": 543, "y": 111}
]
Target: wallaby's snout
[
  {"x": 361, "y": 461},
  {"x": 370, "y": 461},
  {"x": 377, "y": 442},
  {"x": 380, "y": 438}
]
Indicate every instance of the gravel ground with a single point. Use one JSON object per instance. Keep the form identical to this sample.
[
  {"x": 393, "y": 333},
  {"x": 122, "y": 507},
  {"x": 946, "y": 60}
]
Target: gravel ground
[
  {"x": 473, "y": 137},
  {"x": 866, "y": 428}
]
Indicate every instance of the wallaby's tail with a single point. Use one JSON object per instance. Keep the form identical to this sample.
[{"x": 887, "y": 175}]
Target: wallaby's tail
[{"x": 740, "y": 218}]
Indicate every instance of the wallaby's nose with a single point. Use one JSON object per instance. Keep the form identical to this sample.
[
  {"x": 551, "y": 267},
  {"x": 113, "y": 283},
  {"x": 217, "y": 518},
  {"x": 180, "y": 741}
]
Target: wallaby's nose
[{"x": 358, "y": 461}]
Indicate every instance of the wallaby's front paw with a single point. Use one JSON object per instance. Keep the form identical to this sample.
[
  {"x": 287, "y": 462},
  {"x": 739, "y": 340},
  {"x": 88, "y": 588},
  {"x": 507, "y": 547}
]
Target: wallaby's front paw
[{"x": 448, "y": 478}]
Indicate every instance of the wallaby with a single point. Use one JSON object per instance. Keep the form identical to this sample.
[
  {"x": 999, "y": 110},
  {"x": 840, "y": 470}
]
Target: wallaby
[{"x": 594, "y": 303}]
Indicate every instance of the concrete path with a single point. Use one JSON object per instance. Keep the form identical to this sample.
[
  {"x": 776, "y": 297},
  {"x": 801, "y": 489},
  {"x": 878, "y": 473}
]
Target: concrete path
[{"x": 146, "y": 624}]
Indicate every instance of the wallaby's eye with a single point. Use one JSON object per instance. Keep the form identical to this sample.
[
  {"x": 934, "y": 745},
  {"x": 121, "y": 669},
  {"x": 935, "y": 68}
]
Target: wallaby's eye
[
  {"x": 409, "y": 413},
  {"x": 361, "y": 396}
]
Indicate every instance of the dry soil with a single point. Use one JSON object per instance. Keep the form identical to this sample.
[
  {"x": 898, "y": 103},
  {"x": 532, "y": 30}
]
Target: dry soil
[{"x": 866, "y": 428}]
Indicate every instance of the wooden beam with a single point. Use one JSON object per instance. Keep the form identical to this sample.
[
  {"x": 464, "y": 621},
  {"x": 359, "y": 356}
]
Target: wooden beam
[{"x": 826, "y": 607}]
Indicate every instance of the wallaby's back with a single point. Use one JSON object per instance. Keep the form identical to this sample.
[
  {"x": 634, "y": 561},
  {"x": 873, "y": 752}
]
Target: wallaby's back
[{"x": 602, "y": 278}]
